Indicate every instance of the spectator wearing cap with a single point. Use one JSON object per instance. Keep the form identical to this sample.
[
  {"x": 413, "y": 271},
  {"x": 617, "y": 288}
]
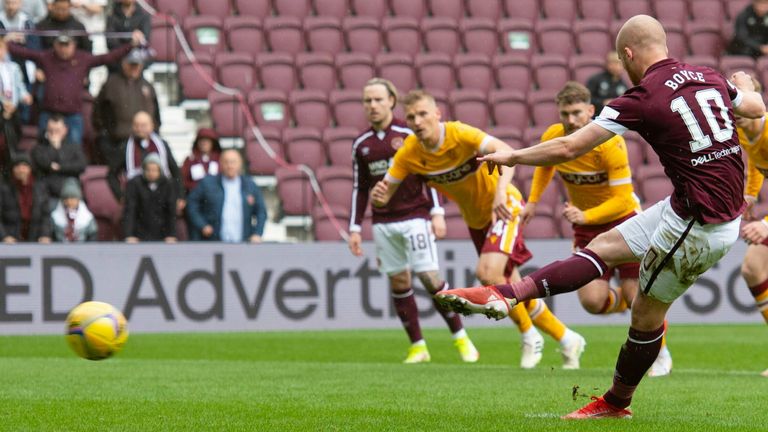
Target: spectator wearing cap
[
  {"x": 54, "y": 159},
  {"x": 150, "y": 205},
  {"x": 227, "y": 207},
  {"x": 123, "y": 95},
  {"x": 66, "y": 69},
  {"x": 60, "y": 20},
  {"x": 36, "y": 10},
  {"x": 71, "y": 219},
  {"x": 24, "y": 205},
  {"x": 126, "y": 17},
  {"x": 203, "y": 161},
  {"x": 750, "y": 30}
]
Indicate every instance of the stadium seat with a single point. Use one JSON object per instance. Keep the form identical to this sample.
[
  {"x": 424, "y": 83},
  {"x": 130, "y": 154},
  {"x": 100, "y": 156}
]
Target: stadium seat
[
  {"x": 517, "y": 36},
  {"x": 735, "y": 7},
  {"x": 443, "y": 104},
  {"x": 336, "y": 185},
  {"x": 550, "y": 71},
  {"x": 584, "y": 66},
  {"x": 509, "y": 108},
  {"x": 402, "y": 35},
  {"x": 270, "y": 108},
  {"x": 192, "y": 85},
  {"x": 375, "y": 9},
  {"x": 592, "y": 37},
  {"x": 543, "y": 108},
  {"x": 542, "y": 227},
  {"x": 566, "y": 228},
  {"x": 532, "y": 135},
  {"x": 338, "y": 145},
  {"x": 491, "y": 9},
  {"x": 294, "y": 191},
  {"x": 101, "y": 202},
  {"x": 510, "y": 135},
  {"x": 347, "y": 109},
  {"x": 470, "y": 106},
  {"x": 529, "y": 10},
  {"x": 363, "y": 35},
  {"x": 559, "y": 9},
  {"x": 555, "y": 37},
  {"x": 205, "y": 33},
  {"x": 354, "y": 70},
  {"x": 398, "y": 68},
  {"x": 601, "y": 10},
  {"x": 762, "y": 66},
  {"x": 702, "y": 60},
  {"x": 227, "y": 115},
  {"x": 304, "y": 145},
  {"x": 441, "y": 35},
  {"x": 253, "y": 8},
  {"x": 479, "y": 36},
  {"x": 244, "y": 34},
  {"x": 334, "y": 8},
  {"x": 708, "y": 10},
  {"x": 324, "y": 230},
  {"x": 636, "y": 154},
  {"x": 292, "y": 8},
  {"x": 671, "y": 11},
  {"x": 163, "y": 40},
  {"x": 221, "y": 9},
  {"x": 474, "y": 70},
  {"x": 317, "y": 71},
  {"x": 453, "y": 9},
  {"x": 435, "y": 71},
  {"x": 324, "y": 34},
  {"x": 524, "y": 174},
  {"x": 704, "y": 38},
  {"x": 731, "y": 64},
  {"x": 276, "y": 71},
  {"x": 178, "y": 8},
  {"x": 677, "y": 41},
  {"x": 513, "y": 72},
  {"x": 259, "y": 161},
  {"x": 416, "y": 9},
  {"x": 456, "y": 228},
  {"x": 310, "y": 108},
  {"x": 654, "y": 184},
  {"x": 236, "y": 70},
  {"x": 626, "y": 9},
  {"x": 284, "y": 34}
]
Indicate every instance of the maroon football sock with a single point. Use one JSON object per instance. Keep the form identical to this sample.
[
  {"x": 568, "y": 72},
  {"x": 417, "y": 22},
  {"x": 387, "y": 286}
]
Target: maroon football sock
[
  {"x": 635, "y": 358},
  {"x": 451, "y": 318},
  {"x": 405, "y": 304},
  {"x": 557, "y": 278}
]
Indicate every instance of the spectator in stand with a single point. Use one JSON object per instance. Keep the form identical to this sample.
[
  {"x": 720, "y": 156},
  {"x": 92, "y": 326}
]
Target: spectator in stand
[
  {"x": 150, "y": 205},
  {"x": 143, "y": 141},
  {"x": 13, "y": 18},
  {"x": 223, "y": 207},
  {"x": 203, "y": 161},
  {"x": 123, "y": 95},
  {"x": 60, "y": 20},
  {"x": 90, "y": 13},
  {"x": 12, "y": 93},
  {"x": 54, "y": 159},
  {"x": 24, "y": 203},
  {"x": 36, "y": 10},
  {"x": 71, "y": 220},
  {"x": 66, "y": 69},
  {"x": 127, "y": 16},
  {"x": 750, "y": 36},
  {"x": 608, "y": 84}
]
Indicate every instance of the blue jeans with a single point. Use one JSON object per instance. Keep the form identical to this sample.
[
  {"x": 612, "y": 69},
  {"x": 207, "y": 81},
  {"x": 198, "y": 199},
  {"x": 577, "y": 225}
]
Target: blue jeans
[{"x": 74, "y": 124}]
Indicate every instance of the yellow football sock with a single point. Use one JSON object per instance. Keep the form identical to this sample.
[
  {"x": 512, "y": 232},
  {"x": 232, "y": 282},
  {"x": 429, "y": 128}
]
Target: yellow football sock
[
  {"x": 520, "y": 317},
  {"x": 614, "y": 303},
  {"x": 762, "y": 304},
  {"x": 544, "y": 319}
]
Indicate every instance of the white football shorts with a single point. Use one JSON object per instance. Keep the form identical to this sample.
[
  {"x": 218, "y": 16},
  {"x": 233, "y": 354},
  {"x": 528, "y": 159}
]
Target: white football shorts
[
  {"x": 658, "y": 232},
  {"x": 404, "y": 245}
]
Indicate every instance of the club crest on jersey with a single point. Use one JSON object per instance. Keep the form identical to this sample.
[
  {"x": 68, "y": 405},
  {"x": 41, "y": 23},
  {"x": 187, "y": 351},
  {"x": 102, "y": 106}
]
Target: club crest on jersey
[
  {"x": 365, "y": 151},
  {"x": 396, "y": 143}
]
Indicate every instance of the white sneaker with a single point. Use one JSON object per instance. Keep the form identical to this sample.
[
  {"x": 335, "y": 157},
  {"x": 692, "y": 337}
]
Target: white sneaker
[
  {"x": 765, "y": 373},
  {"x": 533, "y": 345},
  {"x": 662, "y": 366},
  {"x": 572, "y": 352}
]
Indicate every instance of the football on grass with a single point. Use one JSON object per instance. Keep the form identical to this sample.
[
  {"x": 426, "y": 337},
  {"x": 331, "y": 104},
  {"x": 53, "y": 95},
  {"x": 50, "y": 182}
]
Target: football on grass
[{"x": 96, "y": 330}]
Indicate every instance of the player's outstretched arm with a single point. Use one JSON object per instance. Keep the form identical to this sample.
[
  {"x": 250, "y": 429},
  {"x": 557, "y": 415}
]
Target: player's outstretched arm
[
  {"x": 551, "y": 152},
  {"x": 752, "y": 104}
]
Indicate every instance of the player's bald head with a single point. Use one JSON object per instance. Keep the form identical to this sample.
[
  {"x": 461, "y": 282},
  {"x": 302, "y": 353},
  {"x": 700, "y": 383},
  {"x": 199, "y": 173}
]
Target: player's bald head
[{"x": 641, "y": 32}]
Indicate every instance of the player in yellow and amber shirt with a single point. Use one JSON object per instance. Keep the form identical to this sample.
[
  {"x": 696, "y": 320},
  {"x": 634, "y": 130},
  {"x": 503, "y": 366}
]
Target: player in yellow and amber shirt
[
  {"x": 601, "y": 196},
  {"x": 445, "y": 155},
  {"x": 753, "y": 137}
]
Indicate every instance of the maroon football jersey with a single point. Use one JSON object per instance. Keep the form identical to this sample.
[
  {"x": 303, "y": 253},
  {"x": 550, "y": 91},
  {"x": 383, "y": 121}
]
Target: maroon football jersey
[
  {"x": 685, "y": 113},
  {"x": 372, "y": 155}
]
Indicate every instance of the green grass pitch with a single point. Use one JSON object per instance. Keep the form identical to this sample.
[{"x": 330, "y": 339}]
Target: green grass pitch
[{"x": 353, "y": 380}]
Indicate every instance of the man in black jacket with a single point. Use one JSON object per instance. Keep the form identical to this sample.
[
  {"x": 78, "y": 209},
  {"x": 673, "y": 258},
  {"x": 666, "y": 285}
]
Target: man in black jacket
[
  {"x": 24, "y": 206},
  {"x": 60, "y": 19},
  {"x": 150, "y": 205},
  {"x": 54, "y": 159},
  {"x": 127, "y": 16},
  {"x": 750, "y": 36}
]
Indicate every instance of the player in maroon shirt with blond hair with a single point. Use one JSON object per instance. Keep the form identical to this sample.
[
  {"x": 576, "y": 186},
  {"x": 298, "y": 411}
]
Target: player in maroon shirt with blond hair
[{"x": 685, "y": 113}]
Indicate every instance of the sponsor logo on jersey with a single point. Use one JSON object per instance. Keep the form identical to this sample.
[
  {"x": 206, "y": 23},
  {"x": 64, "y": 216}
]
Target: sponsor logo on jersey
[
  {"x": 456, "y": 174},
  {"x": 707, "y": 158},
  {"x": 585, "y": 179},
  {"x": 379, "y": 167}
]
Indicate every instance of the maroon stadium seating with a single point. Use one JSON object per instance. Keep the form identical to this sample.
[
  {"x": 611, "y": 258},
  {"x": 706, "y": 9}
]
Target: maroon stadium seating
[
  {"x": 525, "y": 9},
  {"x": 335, "y": 8},
  {"x": 338, "y": 145},
  {"x": 470, "y": 106},
  {"x": 435, "y": 71},
  {"x": 708, "y": 10},
  {"x": 205, "y": 33},
  {"x": 336, "y": 185},
  {"x": 354, "y": 70},
  {"x": 491, "y": 9},
  {"x": 555, "y": 37},
  {"x": 284, "y": 34},
  {"x": 654, "y": 184},
  {"x": 474, "y": 70},
  {"x": 236, "y": 70},
  {"x": 259, "y": 162},
  {"x": 177, "y": 8},
  {"x": 542, "y": 227},
  {"x": 244, "y": 34},
  {"x": 456, "y": 227},
  {"x": 345, "y": 105},
  {"x": 702, "y": 60},
  {"x": 375, "y": 9},
  {"x": 550, "y": 199},
  {"x": 584, "y": 66},
  {"x": 310, "y": 108},
  {"x": 550, "y": 71},
  {"x": 253, "y": 8},
  {"x": 270, "y": 108},
  {"x": 304, "y": 146},
  {"x": 517, "y": 36},
  {"x": 532, "y": 136},
  {"x": 509, "y": 108},
  {"x": 735, "y": 7},
  {"x": 513, "y": 72},
  {"x": 294, "y": 191},
  {"x": 668, "y": 11},
  {"x": 101, "y": 202},
  {"x": 322, "y": 226},
  {"x": 626, "y": 9},
  {"x": 163, "y": 40},
  {"x": 704, "y": 38},
  {"x": 443, "y": 104},
  {"x": 731, "y": 64},
  {"x": 294, "y": 8},
  {"x": 227, "y": 115},
  {"x": 447, "y": 8},
  {"x": 317, "y": 71},
  {"x": 324, "y": 34},
  {"x": 411, "y": 8},
  {"x": 510, "y": 135},
  {"x": 402, "y": 35},
  {"x": 192, "y": 85},
  {"x": 543, "y": 107},
  {"x": 559, "y": 9},
  {"x": 597, "y": 10},
  {"x": 363, "y": 35},
  {"x": 441, "y": 35},
  {"x": 677, "y": 41},
  {"x": 276, "y": 71},
  {"x": 592, "y": 37},
  {"x": 221, "y": 9},
  {"x": 479, "y": 36},
  {"x": 398, "y": 68}
]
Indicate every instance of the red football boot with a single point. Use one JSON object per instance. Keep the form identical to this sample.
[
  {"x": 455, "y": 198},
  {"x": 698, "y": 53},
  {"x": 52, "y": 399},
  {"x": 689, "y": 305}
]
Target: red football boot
[
  {"x": 485, "y": 300},
  {"x": 598, "y": 408}
]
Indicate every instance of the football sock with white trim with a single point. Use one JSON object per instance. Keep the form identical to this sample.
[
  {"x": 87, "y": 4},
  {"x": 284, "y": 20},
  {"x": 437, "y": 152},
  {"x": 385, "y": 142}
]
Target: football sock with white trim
[
  {"x": 635, "y": 358},
  {"x": 405, "y": 305}
]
